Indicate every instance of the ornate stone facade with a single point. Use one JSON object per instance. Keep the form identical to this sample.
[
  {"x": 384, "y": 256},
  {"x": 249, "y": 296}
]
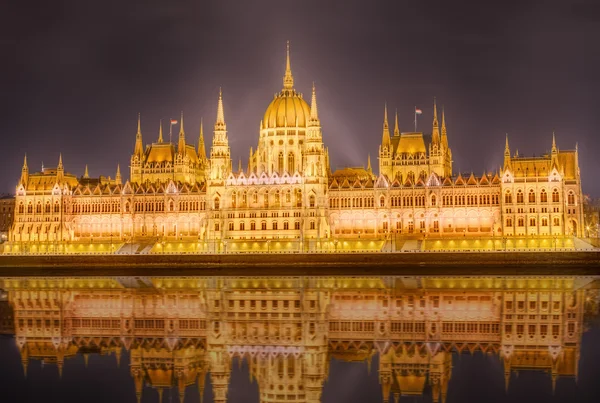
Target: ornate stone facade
[{"x": 288, "y": 199}]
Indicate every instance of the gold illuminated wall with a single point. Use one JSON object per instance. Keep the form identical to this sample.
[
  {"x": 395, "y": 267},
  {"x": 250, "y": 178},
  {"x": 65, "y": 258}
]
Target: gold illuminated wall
[
  {"x": 178, "y": 330},
  {"x": 287, "y": 193}
]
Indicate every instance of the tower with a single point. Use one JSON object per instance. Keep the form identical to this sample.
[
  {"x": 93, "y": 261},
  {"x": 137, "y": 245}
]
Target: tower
[
  {"x": 385, "y": 149},
  {"x": 24, "y": 173},
  {"x": 220, "y": 154},
  {"x": 137, "y": 158}
]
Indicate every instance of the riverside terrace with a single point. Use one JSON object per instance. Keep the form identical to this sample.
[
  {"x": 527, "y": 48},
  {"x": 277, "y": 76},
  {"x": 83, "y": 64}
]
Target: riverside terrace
[{"x": 349, "y": 264}]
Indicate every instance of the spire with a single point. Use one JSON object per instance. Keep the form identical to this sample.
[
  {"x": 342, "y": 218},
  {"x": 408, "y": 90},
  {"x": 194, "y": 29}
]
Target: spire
[
  {"x": 201, "y": 146},
  {"x": 506, "y": 148},
  {"x": 160, "y": 134},
  {"x": 139, "y": 148},
  {"x": 435, "y": 133},
  {"x": 396, "y": 128},
  {"x": 240, "y": 165},
  {"x": 385, "y": 141},
  {"x": 288, "y": 79},
  {"x": 554, "y": 149},
  {"x": 220, "y": 123},
  {"x": 444, "y": 132},
  {"x": 60, "y": 170},
  {"x": 118, "y": 179},
  {"x": 25, "y": 172},
  {"x": 86, "y": 174},
  {"x": 314, "y": 115},
  {"x": 181, "y": 144},
  {"x": 369, "y": 169}
]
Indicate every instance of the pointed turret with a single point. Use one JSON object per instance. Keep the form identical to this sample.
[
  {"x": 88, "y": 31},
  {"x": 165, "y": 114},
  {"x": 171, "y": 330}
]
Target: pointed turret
[
  {"x": 369, "y": 169},
  {"x": 396, "y": 127},
  {"x": 181, "y": 144},
  {"x": 86, "y": 174},
  {"x": 220, "y": 160},
  {"x": 201, "y": 146},
  {"x": 435, "y": 133},
  {"x": 139, "y": 148},
  {"x": 160, "y": 133},
  {"x": 385, "y": 141},
  {"x": 288, "y": 79},
  {"x": 220, "y": 123},
  {"x": 60, "y": 169},
  {"x": 25, "y": 172},
  {"x": 506, "y": 154},
  {"x": 118, "y": 179},
  {"x": 314, "y": 114},
  {"x": 444, "y": 132}
]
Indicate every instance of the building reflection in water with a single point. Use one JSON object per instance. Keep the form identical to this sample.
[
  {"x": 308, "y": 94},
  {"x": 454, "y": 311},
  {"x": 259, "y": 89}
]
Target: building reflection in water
[{"x": 178, "y": 331}]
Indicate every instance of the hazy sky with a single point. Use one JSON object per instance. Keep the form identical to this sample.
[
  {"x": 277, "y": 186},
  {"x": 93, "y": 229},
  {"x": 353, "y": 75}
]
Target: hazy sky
[{"x": 75, "y": 74}]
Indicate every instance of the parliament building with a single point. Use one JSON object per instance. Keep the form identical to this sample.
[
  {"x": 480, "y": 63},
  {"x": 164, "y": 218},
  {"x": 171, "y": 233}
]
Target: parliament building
[{"x": 181, "y": 199}]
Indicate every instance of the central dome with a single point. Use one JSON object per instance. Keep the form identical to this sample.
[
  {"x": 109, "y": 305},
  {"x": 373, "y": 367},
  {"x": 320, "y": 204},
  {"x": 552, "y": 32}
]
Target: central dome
[{"x": 288, "y": 109}]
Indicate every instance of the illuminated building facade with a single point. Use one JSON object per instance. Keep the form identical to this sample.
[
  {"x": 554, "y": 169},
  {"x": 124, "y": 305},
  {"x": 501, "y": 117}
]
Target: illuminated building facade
[
  {"x": 178, "y": 330},
  {"x": 288, "y": 199}
]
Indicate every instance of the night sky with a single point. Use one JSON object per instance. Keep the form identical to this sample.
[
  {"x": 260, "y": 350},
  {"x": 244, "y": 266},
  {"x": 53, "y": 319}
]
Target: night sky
[{"x": 75, "y": 74}]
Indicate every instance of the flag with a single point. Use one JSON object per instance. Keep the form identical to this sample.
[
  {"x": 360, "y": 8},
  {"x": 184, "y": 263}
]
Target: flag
[
  {"x": 173, "y": 121},
  {"x": 418, "y": 111}
]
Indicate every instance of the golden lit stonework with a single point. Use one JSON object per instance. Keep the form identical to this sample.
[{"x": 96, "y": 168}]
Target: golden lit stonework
[
  {"x": 179, "y": 199},
  {"x": 178, "y": 331}
]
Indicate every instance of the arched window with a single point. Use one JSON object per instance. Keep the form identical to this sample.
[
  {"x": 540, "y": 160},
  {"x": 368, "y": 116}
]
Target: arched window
[
  {"x": 234, "y": 200},
  {"x": 312, "y": 225},
  {"x": 277, "y": 197},
  {"x": 571, "y": 198},
  {"x": 252, "y": 226},
  {"x": 244, "y": 199},
  {"x": 266, "y": 199},
  {"x": 280, "y": 163},
  {"x": 508, "y": 197},
  {"x": 433, "y": 200},
  {"x": 263, "y": 225},
  {"x": 127, "y": 207},
  {"x": 298, "y": 198},
  {"x": 291, "y": 162},
  {"x": 275, "y": 225},
  {"x": 531, "y": 196},
  {"x": 21, "y": 208},
  {"x": 519, "y": 196},
  {"x": 38, "y": 208},
  {"x": 47, "y": 208},
  {"x": 311, "y": 201},
  {"x": 286, "y": 225},
  {"x": 555, "y": 196},
  {"x": 171, "y": 206},
  {"x": 254, "y": 197},
  {"x": 544, "y": 196},
  {"x": 382, "y": 201},
  {"x": 217, "y": 203},
  {"x": 288, "y": 196}
]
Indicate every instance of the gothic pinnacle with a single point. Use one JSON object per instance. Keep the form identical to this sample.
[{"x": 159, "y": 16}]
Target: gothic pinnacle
[
  {"x": 288, "y": 79},
  {"x": 396, "y": 128},
  {"x": 160, "y": 132},
  {"x": 314, "y": 115}
]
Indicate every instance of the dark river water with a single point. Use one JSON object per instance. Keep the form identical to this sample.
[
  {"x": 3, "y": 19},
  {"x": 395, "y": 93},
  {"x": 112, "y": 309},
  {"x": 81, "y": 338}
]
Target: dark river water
[{"x": 300, "y": 339}]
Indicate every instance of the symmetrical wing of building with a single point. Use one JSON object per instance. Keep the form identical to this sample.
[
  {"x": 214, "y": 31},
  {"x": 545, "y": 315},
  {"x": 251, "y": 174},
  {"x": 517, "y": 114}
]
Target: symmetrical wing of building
[
  {"x": 180, "y": 330},
  {"x": 288, "y": 198}
]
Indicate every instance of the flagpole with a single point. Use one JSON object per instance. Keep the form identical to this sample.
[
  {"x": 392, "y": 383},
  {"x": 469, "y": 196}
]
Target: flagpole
[{"x": 415, "y": 119}]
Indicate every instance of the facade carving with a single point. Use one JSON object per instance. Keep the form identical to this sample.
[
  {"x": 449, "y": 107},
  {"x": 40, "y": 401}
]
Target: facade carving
[
  {"x": 178, "y": 331},
  {"x": 288, "y": 195}
]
